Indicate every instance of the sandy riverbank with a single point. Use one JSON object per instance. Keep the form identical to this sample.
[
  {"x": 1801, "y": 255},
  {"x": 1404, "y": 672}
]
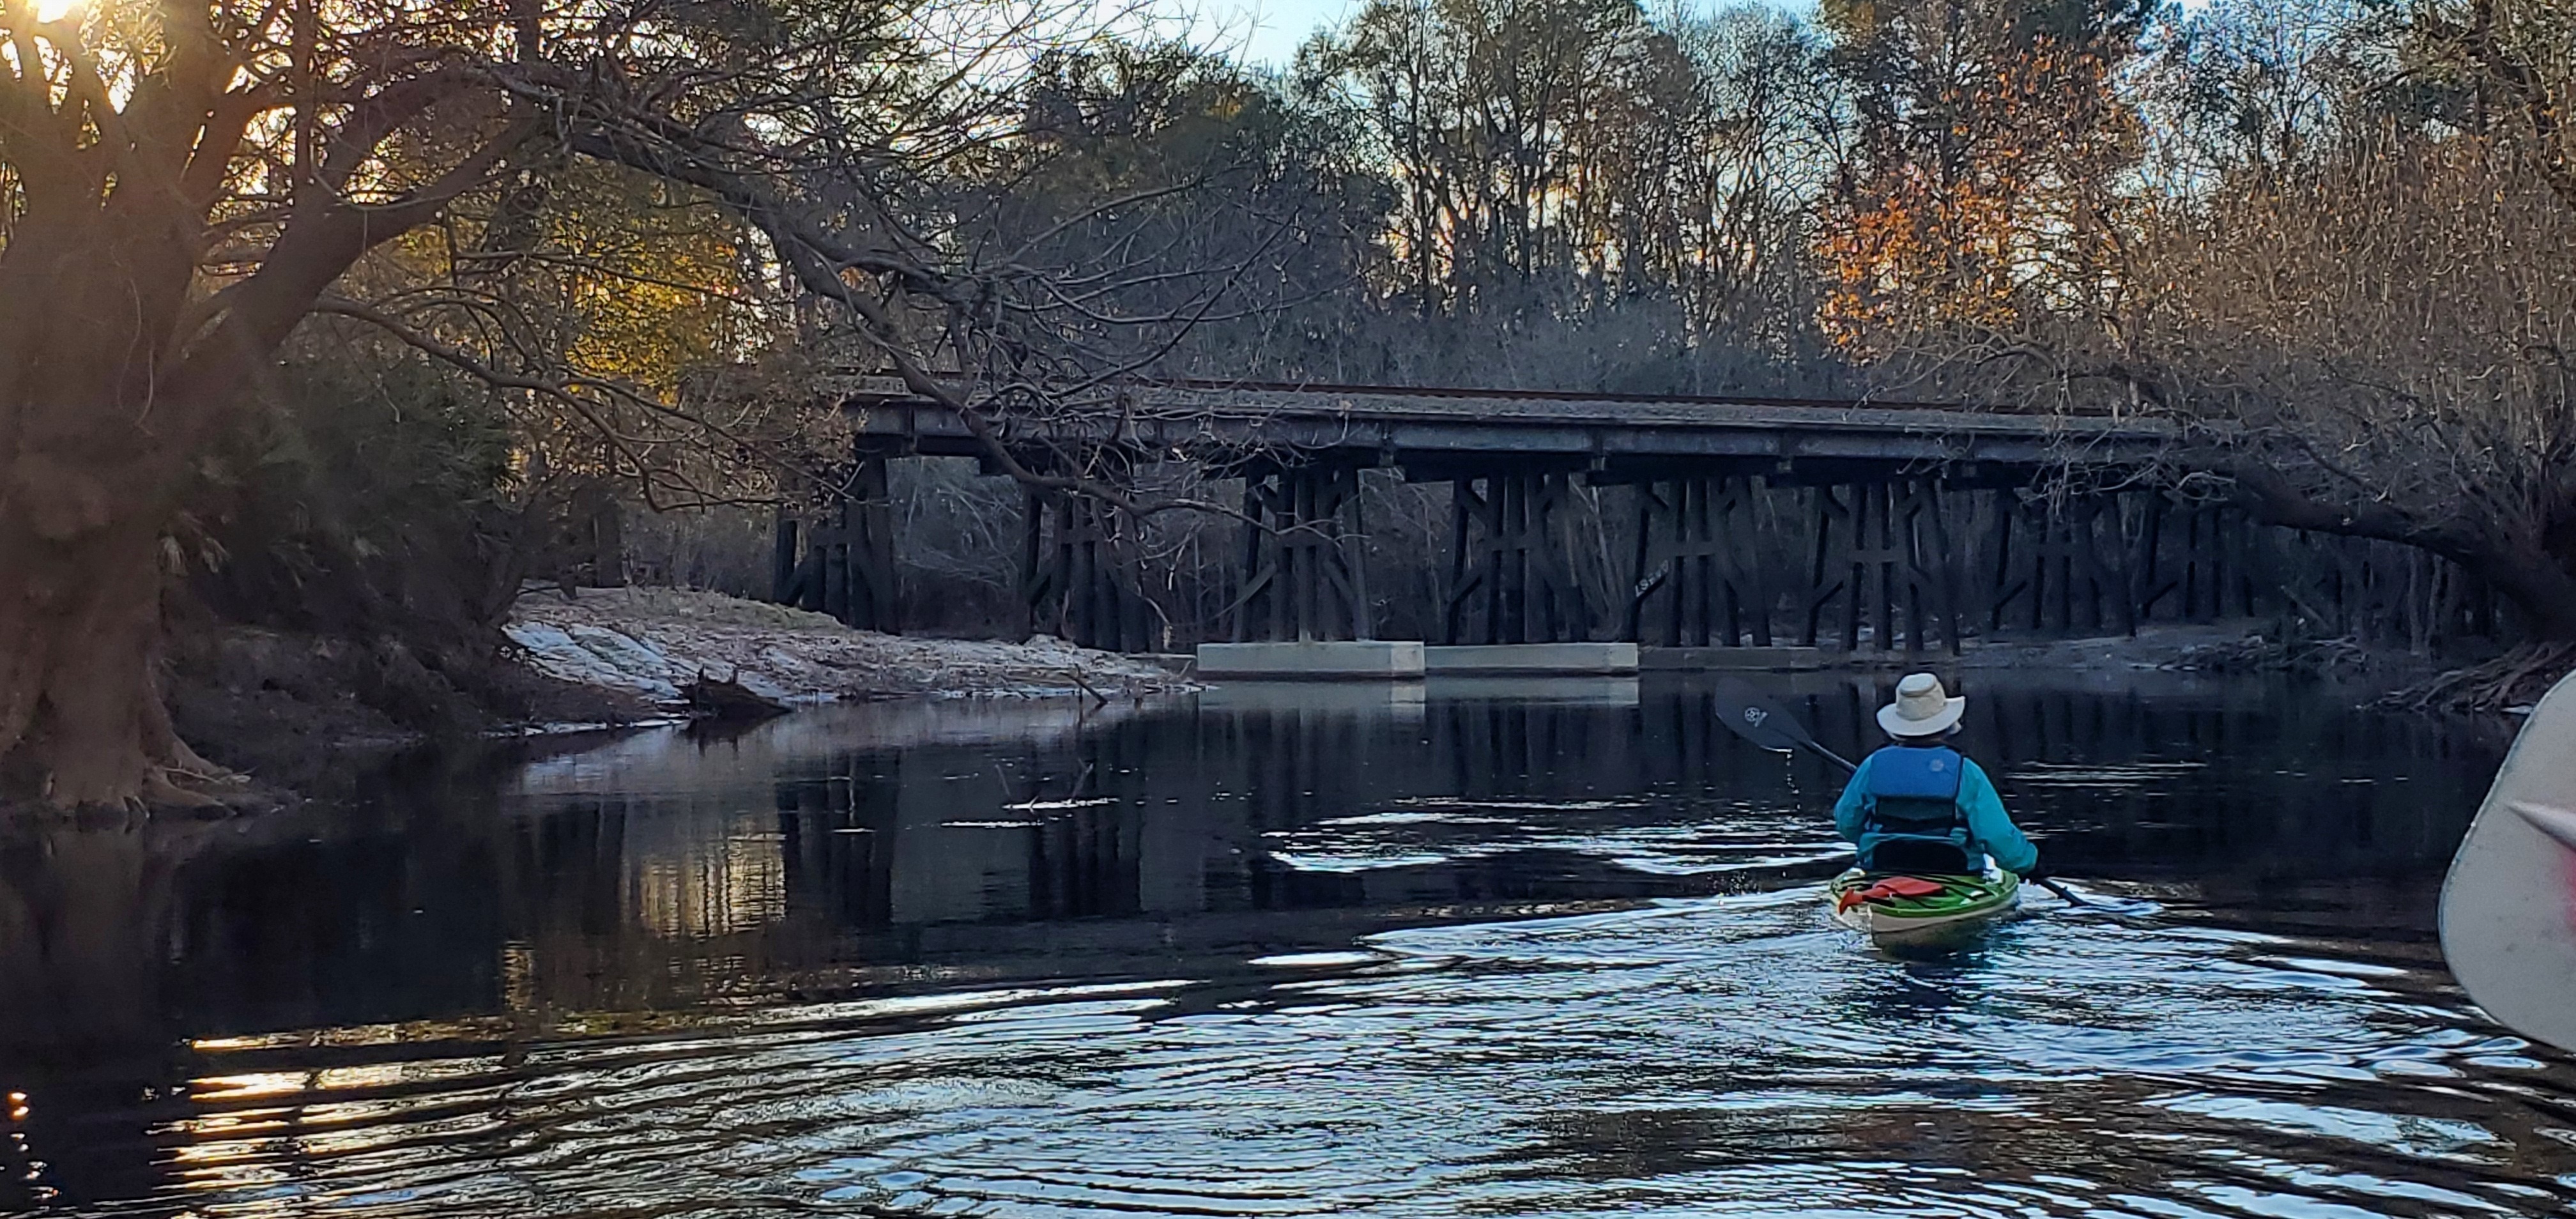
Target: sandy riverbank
[
  {"x": 650, "y": 642},
  {"x": 2229, "y": 646}
]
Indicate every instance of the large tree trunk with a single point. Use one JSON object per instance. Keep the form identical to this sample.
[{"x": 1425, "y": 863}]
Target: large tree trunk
[
  {"x": 122, "y": 353},
  {"x": 2539, "y": 584},
  {"x": 82, "y": 720},
  {"x": 110, "y": 389},
  {"x": 97, "y": 430}
]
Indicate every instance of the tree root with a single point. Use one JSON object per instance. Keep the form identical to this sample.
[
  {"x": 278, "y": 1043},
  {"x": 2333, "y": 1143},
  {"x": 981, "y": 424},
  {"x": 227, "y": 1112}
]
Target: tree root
[
  {"x": 2266, "y": 654},
  {"x": 2516, "y": 679},
  {"x": 184, "y": 783},
  {"x": 161, "y": 790}
]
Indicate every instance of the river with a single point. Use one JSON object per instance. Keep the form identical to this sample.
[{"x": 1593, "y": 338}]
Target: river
[{"x": 1511, "y": 949}]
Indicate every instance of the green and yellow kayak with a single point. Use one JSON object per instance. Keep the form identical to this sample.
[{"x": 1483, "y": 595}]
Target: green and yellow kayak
[{"x": 1898, "y": 905}]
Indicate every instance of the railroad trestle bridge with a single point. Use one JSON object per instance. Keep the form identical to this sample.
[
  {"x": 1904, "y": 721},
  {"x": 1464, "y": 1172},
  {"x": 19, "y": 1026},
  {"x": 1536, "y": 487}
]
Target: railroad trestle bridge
[{"x": 1748, "y": 521}]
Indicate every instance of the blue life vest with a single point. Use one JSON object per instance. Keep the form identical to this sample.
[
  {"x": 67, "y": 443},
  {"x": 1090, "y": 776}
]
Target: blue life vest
[{"x": 1914, "y": 819}]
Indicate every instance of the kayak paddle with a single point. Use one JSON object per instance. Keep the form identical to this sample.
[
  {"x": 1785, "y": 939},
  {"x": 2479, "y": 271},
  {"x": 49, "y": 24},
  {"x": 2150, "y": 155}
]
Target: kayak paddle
[{"x": 1761, "y": 721}]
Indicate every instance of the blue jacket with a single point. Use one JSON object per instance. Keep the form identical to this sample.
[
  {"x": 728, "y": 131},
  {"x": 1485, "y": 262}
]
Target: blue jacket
[{"x": 1990, "y": 829}]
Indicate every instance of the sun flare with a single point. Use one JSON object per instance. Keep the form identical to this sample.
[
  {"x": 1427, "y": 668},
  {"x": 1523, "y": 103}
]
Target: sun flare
[{"x": 50, "y": 11}]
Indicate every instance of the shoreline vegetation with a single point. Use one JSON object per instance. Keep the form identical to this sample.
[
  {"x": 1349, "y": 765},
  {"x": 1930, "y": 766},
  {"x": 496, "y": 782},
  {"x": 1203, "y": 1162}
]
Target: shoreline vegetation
[
  {"x": 302, "y": 720},
  {"x": 293, "y": 713}
]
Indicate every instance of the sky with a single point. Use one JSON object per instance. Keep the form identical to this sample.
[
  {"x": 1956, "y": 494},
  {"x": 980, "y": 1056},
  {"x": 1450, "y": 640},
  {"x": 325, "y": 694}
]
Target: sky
[
  {"x": 1265, "y": 32},
  {"x": 1268, "y": 32}
]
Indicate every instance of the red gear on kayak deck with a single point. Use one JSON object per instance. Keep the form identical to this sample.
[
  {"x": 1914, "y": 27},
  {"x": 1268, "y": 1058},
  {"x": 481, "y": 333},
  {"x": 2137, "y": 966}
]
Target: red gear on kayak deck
[{"x": 1887, "y": 890}]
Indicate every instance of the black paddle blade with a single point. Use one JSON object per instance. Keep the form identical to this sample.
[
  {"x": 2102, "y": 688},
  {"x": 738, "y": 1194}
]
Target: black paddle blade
[
  {"x": 2060, "y": 890},
  {"x": 1756, "y": 719}
]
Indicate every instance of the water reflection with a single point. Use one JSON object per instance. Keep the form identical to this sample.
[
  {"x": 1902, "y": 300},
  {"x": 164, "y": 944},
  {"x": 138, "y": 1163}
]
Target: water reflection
[{"x": 1506, "y": 948}]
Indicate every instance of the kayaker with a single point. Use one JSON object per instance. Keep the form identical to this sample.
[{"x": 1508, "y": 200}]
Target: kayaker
[{"x": 1918, "y": 807}]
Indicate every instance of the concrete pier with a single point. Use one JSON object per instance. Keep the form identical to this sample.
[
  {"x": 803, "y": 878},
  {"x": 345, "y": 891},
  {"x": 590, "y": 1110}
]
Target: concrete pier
[
  {"x": 1375, "y": 660},
  {"x": 1533, "y": 659}
]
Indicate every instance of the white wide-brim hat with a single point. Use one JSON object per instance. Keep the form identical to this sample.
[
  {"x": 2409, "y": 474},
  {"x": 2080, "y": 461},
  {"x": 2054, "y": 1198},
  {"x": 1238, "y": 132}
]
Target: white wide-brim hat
[{"x": 1922, "y": 708}]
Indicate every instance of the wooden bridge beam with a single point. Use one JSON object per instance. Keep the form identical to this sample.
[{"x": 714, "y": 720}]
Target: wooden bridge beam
[
  {"x": 840, "y": 561},
  {"x": 1511, "y": 580},
  {"x": 1697, "y": 559},
  {"x": 1078, "y": 574},
  {"x": 1302, "y": 575},
  {"x": 2059, "y": 569},
  {"x": 1884, "y": 551},
  {"x": 1884, "y": 560}
]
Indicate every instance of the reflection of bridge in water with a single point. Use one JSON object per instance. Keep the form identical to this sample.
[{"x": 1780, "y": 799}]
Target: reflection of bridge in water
[
  {"x": 1278, "y": 818},
  {"x": 1740, "y": 521}
]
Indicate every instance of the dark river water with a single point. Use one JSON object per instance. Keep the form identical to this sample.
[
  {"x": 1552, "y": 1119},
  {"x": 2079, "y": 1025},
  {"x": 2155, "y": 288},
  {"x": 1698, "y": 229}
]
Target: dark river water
[{"x": 1509, "y": 950}]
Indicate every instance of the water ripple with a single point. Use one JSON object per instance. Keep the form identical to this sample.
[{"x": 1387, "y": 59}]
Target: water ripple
[
  {"x": 1463, "y": 957},
  {"x": 1720, "y": 1056}
]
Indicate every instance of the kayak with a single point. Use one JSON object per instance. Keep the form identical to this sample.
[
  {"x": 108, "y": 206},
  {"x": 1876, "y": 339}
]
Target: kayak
[
  {"x": 1898, "y": 905},
  {"x": 2509, "y": 904}
]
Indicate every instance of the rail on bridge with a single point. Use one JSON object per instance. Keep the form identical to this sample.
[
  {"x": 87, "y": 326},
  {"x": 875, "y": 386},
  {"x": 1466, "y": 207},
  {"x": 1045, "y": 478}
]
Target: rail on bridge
[{"x": 1742, "y": 521}]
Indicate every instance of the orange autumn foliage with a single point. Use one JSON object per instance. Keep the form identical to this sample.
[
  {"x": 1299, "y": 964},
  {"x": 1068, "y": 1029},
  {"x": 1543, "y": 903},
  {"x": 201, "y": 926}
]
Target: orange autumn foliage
[{"x": 1991, "y": 194}]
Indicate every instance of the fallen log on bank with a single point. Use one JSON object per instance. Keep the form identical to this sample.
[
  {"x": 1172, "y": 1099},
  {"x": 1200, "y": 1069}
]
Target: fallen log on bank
[{"x": 728, "y": 699}]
